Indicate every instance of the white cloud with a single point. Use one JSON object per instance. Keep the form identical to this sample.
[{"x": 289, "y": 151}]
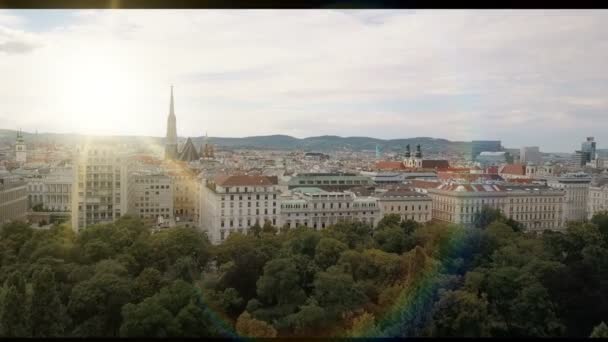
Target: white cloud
[{"x": 310, "y": 72}]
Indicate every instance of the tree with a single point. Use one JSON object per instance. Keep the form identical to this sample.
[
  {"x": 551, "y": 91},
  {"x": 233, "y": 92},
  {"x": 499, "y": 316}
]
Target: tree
[
  {"x": 279, "y": 285},
  {"x": 255, "y": 230},
  {"x": 600, "y": 331},
  {"x": 46, "y": 306},
  {"x": 251, "y": 327},
  {"x": 268, "y": 228},
  {"x": 328, "y": 251},
  {"x": 147, "y": 283},
  {"x": 461, "y": 313},
  {"x": 362, "y": 325},
  {"x": 393, "y": 240},
  {"x": 390, "y": 220},
  {"x": 487, "y": 215},
  {"x": 13, "y": 312},
  {"x": 336, "y": 292},
  {"x": 309, "y": 321},
  {"x": 147, "y": 319}
]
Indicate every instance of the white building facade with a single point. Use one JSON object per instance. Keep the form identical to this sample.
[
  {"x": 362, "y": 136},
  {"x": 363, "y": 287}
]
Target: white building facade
[
  {"x": 235, "y": 203},
  {"x": 537, "y": 208},
  {"x": 318, "y": 209},
  {"x": 576, "y": 186}
]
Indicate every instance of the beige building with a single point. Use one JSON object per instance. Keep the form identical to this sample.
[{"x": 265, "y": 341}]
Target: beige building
[
  {"x": 150, "y": 197},
  {"x": 598, "y": 197},
  {"x": 13, "y": 199},
  {"x": 316, "y": 208},
  {"x": 186, "y": 193},
  {"x": 57, "y": 195},
  {"x": 99, "y": 190},
  {"x": 576, "y": 186},
  {"x": 234, "y": 203},
  {"x": 536, "y": 207},
  {"x": 409, "y": 205}
]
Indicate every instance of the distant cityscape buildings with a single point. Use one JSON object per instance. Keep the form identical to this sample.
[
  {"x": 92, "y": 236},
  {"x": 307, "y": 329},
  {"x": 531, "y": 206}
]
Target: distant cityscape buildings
[
  {"x": 530, "y": 155},
  {"x": 478, "y": 146},
  {"x": 231, "y": 190}
]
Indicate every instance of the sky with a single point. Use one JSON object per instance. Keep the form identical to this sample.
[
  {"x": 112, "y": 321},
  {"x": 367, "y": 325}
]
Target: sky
[{"x": 528, "y": 78}]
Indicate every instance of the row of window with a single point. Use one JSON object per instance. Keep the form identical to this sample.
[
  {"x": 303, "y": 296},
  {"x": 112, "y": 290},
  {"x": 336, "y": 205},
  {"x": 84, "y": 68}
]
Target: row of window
[
  {"x": 240, "y": 198},
  {"x": 426, "y": 207},
  {"x": 257, "y": 212},
  {"x": 257, "y": 204}
]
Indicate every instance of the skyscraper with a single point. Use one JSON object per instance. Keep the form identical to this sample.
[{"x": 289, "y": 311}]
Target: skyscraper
[
  {"x": 588, "y": 148},
  {"x": 171, "y": 138}
]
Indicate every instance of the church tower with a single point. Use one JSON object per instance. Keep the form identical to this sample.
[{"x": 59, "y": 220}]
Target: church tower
[
  {"x": 20, "y": 149},
  {"x": 171, "y": 138}
]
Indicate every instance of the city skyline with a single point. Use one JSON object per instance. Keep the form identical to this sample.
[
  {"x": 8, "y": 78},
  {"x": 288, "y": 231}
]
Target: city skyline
[{"x": 523, "y": 77}]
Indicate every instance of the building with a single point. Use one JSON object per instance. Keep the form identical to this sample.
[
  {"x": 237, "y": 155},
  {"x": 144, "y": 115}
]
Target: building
[
  {"x": 57, "y": 190},
  {"x": 579, "y": 159},
  {"x": 171, "y": 137},
  {"x": 418, "y": 162},
  {"x": 486, "y": 159},
  {"x": 478, "y": 146},
  {"x": 13, "y": 198},
  {"x": 588, "y": 148},
  {"x": 408, "y": 204},
  {"x": 186, "y": 194},
  {"x": 316, "y": 156},
  {"x": 536, "y": 207},
  {"x": 383, "y": 178},
  {"x": 513, "y": 171},
  {"x": 576, "y": 186},
  {"x": 99, "y": 188},
  {"x": 530, "y": 155},
  {"x": 150, "y": 197},
  {"x": 329, "y": 181},
  {"x": 188, "y": 152},
  {"x": 598, "y": 196},
  {"x": 20, "y": 149},
  {"x": 317, "y": 208},
  {"x": 234, "y": 203}
]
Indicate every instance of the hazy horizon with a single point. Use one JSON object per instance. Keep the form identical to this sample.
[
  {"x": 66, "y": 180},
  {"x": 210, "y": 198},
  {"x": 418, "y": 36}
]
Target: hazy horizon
[{"x": 527, "y": 78}]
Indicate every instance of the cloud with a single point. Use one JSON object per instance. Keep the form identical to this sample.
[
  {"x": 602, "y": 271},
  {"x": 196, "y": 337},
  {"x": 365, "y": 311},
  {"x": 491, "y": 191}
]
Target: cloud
[{"x": 450, "y": 74}]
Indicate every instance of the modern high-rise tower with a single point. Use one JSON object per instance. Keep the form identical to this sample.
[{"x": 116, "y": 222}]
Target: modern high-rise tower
[{"x": 171, "y": 138}]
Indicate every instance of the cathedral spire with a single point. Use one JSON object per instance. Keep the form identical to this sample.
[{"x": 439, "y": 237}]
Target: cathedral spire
[
  {"x": 171, "y": 108},
  {"x": 171, "y": 137}
]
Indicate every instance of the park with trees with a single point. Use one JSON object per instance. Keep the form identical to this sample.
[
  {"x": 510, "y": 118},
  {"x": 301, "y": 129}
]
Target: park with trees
[{"x": 400, "y": 279}]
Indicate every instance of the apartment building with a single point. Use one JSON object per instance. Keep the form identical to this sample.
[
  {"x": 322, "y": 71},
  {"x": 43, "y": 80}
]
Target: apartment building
[
  {"x": 186, "y": 193},
  {"x": 317, "y": 208},
  {"x": 576, "y": 186},
  {"x": 99, "y": 190},
  {"x": 150, "y": 197},
  {"x": 13, "y": 198},
  {"x": 234, "y": 203},
  {"x": 536, "y": 207},
  {"x": 598, "y": 197},
  {"x": 408, "y": 204},
  {"x": 57, "y": 190}
]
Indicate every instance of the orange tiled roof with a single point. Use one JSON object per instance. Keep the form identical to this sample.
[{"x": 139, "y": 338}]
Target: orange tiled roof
[
  {"x": 390, "y": 165},
  {"x": 514, "y": 169}
]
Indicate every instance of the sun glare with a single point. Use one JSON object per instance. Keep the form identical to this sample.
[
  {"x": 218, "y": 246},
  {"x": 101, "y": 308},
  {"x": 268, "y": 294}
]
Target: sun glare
[{"x": 95, "y": 89}]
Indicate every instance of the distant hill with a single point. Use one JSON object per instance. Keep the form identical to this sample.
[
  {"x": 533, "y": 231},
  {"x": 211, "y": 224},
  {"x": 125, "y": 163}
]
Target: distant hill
[{"x": 277, "y": 142}]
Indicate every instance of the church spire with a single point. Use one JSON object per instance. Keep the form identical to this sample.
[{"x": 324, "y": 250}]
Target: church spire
[
  {"x": 171, "y": 138},
  {"x": 171, "y": 108}
]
